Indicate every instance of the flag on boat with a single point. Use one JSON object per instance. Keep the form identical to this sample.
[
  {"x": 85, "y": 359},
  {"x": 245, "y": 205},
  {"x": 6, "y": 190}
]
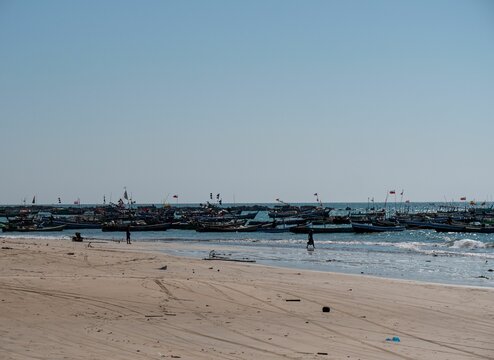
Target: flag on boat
[
  {"x": 392, "y": 192},
  {"x": 126, "y": 197},
  {"x": 77, "y": 202},
  {"x": 315, "y": 194},
  {"x": 402, "y": 191},
  {"x": 34, "y": 199},
  {"x": 463, "y": 198},
  {"x": 59, "y": 200},
  {"x": 175, "y": 196}
]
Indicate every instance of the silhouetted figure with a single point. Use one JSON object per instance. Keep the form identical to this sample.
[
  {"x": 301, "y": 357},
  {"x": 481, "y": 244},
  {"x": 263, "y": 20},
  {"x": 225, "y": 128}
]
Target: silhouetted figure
[
  {"x": 77, "y": 237},
  {"x": 310, "y": 241},
  {"x": 128, "y": 234}
]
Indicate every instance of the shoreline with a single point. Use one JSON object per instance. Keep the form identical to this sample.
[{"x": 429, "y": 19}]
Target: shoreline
[
  {"x": 153, "y": 244},
  {"x": 336, "y": 273},
  {"x": 117, "y": 301}
]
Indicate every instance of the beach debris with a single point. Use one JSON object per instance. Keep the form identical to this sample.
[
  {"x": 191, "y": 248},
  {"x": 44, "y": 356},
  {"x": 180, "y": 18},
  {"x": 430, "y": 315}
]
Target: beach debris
[
  {"x": 482, "y": 277},
  {"x": 292, "y": 300},
  {"x": 490, "y": 270},
  {"x": 322, "y": 353},
  {"x": 213, "y": 255},
  {"x": 70, "y": 253},
  {"x": 393, "y": 339},
  {"x": 326, "y": 309},
  {"x": 163, "y": 267},
  {"x": 6, "y": 248}
]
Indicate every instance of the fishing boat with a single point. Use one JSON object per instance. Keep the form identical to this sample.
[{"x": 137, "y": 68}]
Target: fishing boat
[
  {"x": 76, "y": 225},
  {"x": 440, "y": 227},
  {"x": 370, "y": 228},
  {"x": 464, "y": 228},
  {"x": 229, "y": 228},
  {"x": 321, "y": 230},
  {"x": 32, "y": 228},
  {"x": 122, "y": 227}
]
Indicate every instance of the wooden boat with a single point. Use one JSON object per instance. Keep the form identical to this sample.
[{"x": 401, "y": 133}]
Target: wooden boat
[
  {"x": 229, "y": 228},
  {"x": 369, "y": 228},
  {"x": 180, "y": 225},
  {"x": 76, "y": 225},
  {"x": 448, "y": 227},
  {"x": 32, "y": 228},
  {"x": 480, "y": 229},
  {"x": 417, "y": 224},
  {"x": 321, "y": 230},
  {"x": 464, "y": 228},
  {"x": 248, "y": 216},
  {"x": 134, "y": 227}
]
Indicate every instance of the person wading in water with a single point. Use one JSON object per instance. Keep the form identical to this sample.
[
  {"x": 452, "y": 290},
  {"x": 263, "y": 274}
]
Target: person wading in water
[
  {"x": 128, "y": 234},
  {"x": 310, "y": 241}
]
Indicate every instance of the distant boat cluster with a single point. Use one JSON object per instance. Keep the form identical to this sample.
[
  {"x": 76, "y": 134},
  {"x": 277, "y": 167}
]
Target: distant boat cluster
[{"x": 209, "y": 217}]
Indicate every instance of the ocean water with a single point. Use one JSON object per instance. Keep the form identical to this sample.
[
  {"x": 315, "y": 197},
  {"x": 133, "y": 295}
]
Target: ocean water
[{"x": 423, "y": 255}]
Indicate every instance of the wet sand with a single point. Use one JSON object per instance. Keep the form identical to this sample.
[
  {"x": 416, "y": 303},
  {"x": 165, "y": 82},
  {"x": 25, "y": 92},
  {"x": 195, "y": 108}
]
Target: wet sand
[{"x": 67, "y": 300}]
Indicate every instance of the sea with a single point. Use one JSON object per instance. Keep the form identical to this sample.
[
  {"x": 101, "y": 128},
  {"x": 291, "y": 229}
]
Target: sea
[{"x": 419, "y": 255}]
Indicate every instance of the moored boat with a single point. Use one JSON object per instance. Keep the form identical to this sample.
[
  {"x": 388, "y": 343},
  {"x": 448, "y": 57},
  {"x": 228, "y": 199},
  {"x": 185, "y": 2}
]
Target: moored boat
[
  {"x": 321, "y": 230},
  {"x": 32, "y": 228},
  {"x": 369, "y": 228},
  {"x": 134, "y": 227},
  {"x": 230, "y": 228}
]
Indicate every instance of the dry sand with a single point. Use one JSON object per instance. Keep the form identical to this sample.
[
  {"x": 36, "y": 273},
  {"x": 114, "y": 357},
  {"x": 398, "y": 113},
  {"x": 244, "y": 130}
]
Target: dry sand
[{"x": 64, "y": 300}]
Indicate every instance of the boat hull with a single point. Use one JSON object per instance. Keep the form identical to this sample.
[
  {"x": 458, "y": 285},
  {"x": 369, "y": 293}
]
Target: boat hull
[{"x": 370, "y": 228}]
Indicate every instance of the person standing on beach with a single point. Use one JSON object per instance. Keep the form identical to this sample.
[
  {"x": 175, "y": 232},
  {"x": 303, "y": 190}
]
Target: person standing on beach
[
  {"x": 128, "y": 234},
  {"x": 310, "y": 241}
]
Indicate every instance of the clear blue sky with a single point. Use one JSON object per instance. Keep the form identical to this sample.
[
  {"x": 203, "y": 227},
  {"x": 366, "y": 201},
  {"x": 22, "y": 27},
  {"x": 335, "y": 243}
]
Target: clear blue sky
[{"x": 253, "y": 99}]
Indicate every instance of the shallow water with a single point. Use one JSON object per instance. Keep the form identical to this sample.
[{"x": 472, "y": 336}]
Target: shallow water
[{"x": 425, "y": 255}]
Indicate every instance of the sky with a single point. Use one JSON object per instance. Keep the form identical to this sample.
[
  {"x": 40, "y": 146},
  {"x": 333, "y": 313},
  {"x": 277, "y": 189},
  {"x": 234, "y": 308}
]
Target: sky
[{"x": 255, "y": 100}]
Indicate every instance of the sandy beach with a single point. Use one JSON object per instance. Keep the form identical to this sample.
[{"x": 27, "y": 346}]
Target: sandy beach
[{"x": 109, "y": 300}]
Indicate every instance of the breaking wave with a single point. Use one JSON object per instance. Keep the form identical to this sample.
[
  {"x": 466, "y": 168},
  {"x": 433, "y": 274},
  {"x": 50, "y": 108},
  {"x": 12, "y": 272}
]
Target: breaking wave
[{"x": 468, "y": 244}]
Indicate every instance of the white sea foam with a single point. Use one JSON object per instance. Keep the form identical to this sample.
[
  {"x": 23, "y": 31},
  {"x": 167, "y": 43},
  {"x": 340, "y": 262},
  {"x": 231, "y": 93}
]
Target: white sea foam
[
  {"x": 468, "y": 244},
  {"x": 415, "y": 246}
]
